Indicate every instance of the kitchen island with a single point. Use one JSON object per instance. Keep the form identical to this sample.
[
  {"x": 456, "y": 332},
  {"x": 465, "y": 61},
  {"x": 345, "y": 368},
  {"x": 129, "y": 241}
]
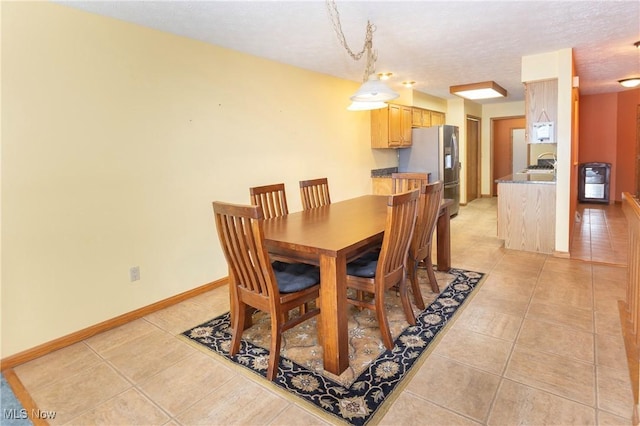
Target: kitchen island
[{"x": 527, "y": 211}]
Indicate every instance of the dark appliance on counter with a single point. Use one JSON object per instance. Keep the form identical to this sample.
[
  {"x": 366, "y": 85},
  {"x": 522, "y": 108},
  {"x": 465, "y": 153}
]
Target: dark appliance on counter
[
  {"x": 435, "y": 150},
  {"x": 539, "y": 166},
  {"x": 543, "y": 164},
  {"x": 593, "y": 182}
]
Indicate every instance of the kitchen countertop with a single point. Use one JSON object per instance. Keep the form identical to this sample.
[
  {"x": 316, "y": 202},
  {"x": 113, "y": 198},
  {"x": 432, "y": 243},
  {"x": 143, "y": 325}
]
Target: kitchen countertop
[
  {"x": 383, "y": 173},
  {"x": 546, "y": 178}
]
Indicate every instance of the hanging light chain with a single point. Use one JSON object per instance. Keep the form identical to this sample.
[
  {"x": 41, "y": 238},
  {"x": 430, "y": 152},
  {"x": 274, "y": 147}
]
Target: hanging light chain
[{"x": 372, "y": 55}]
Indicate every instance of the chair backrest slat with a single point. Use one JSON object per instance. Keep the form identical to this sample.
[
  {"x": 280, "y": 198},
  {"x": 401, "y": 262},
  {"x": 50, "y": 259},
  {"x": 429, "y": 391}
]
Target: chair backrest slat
[
  {"x": 242, "y": 239},
  {"x": 428, "y": 210},
  {"x": 272, "y": 199},
  {"x": 399, "y": 228},
  {"x": 314, "y": 193},
  {"x": 403, "y": 182}
]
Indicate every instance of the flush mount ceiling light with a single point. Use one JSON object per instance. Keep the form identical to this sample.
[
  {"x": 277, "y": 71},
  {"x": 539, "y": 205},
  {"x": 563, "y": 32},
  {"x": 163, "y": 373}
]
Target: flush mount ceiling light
[
  {"x": 384, "y": 75},
  {"x": 483, "y": 90},
  {"x": 408, "y": 84},
  {"x": 630, "y": 82},
  {"x": 373, "y": 92}
]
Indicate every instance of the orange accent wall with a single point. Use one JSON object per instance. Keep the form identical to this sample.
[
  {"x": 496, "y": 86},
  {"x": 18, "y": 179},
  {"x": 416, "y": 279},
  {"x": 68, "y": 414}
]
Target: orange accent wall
[
  {"x": 608, "y": 135},
  {"x": 628, "y": 102},
  {"x": 502, "y": 149}
]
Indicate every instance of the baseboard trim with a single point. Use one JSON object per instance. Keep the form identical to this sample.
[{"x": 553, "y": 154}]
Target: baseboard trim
[
  {"x": 562, "y": 254},
  {"x": 78, "y": 336}
]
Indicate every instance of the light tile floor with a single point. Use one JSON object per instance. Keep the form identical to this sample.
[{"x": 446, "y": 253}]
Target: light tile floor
[
  {"x": 600, "y": 234},
  {"x": 539, "y": 344}
]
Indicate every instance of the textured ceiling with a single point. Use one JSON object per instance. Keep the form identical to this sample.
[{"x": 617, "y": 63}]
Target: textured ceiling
[{"x": 435, "y": 43}]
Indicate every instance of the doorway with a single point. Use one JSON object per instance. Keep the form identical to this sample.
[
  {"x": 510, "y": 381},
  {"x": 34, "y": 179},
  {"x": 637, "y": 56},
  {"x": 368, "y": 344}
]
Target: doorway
[
  {"x": 502, "y": 147},
  {"x": 473, "y": 158}
]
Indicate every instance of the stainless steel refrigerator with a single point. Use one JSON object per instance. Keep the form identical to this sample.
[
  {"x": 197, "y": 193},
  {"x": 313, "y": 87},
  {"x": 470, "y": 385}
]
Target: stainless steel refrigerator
[{"x": 435, "y": 150}]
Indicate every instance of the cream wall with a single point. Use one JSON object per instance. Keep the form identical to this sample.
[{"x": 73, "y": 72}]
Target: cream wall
[
  {"x": 115, "y": 140},
  {"x": 457, "y": 111},
  {"x": 426, "y": 101}
]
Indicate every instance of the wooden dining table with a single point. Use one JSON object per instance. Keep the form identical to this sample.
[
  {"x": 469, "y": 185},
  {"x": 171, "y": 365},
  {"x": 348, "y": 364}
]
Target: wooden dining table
[{"x": 327, "y": 236}]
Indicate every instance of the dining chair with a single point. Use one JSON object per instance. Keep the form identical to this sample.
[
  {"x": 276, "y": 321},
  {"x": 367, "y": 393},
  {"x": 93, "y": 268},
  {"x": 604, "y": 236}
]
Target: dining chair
[
  {"x": 255, "y": 282},
  {"x": 314, "y": 193},
  {"x": 376, "y": 272},
  {"x": 272, "y": 199},
  {"x": 420, "y": 248},
  {"x": 403, "y": 182}
]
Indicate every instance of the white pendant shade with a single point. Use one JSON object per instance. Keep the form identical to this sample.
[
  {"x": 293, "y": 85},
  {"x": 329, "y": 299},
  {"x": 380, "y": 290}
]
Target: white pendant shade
[
  {"x": 366, "y": 106},
  {"x": 374, "y": 90}
]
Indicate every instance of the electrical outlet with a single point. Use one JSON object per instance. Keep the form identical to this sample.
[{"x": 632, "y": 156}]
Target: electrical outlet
[{"x": 134, "y": 273}]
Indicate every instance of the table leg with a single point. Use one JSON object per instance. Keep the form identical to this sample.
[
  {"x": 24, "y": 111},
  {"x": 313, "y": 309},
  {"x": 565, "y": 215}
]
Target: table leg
[
  {"x": 333, "y": 313},
  {"x": 444, "y": 240}
]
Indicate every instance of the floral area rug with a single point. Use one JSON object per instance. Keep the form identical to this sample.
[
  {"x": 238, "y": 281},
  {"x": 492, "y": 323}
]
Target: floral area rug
[{"x": 359, "y": 393}]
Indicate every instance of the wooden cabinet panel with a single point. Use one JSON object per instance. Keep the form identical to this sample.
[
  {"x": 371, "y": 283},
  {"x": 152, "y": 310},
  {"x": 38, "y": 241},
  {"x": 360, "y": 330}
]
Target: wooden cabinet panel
[
  {"x": 380, "y": 128},
  {"x": 527, "y": 216},
  {"x": 437, "y": 118},
  {"x": 426, "y": 118},
  {"x": 395, "y": 125},
  {"x": 405, "y": 126},
  {"x": 381, "y": 185},
  {"x": 541, "y": 104},
  {"x": 421, "y": 117},
  {"x": 391, "y": 127},
  {"x": 416, "y": 117}
]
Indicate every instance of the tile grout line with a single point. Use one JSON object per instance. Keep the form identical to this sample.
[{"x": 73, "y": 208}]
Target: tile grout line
[{"x": 503, "y": 377}]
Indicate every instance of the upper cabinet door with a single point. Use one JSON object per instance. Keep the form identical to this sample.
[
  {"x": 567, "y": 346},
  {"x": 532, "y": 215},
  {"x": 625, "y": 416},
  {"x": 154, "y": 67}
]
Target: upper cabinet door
[
  {"x": 396, "y": 132},
  {"x": 541, "y": 105},
  {"x": 437, "y": 118},
  {"x": 405, "y": 126},
  {"x": 416, "y": 117},
  {"x": 380, "y": 128},
  {"x": 421, "y": 117},
  {"x": 391, "y": 127}
]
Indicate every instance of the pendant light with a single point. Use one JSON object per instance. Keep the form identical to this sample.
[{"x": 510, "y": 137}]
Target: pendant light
[
  {"x": 373, "y": 92},
  {"x": 366, "y": 106}
]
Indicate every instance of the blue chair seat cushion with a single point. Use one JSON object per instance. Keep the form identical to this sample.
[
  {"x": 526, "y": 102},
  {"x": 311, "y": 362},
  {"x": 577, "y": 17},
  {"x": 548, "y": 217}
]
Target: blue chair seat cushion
[
  {"x": 294, "y": 277},
  {"x": 365, "y": 266}
]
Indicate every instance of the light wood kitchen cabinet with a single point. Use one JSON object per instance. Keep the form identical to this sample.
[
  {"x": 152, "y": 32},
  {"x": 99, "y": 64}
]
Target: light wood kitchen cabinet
[
  {"x": 437, "y": 118},
  {"x": 541, "y": 105},
  {"x": 420, "y": 117},
  {"x": 381, "y": 186},
  {"x": 391, "y": 127}
]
